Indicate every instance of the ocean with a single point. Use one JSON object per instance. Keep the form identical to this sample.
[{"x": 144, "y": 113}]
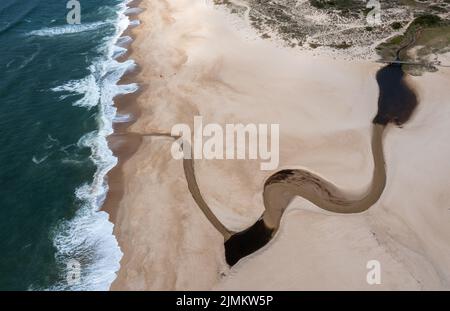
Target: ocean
[{"x": 56, "y": 110}]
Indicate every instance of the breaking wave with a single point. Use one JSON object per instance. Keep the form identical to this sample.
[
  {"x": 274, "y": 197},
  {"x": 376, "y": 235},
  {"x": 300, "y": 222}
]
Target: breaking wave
[
  {"x": 67, "y": 29},
  {"x": 88, "y": 237}
]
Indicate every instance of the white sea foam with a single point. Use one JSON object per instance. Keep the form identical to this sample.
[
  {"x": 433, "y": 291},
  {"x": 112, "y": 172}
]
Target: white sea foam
[
  {"x": 87, "y": 87},
  {"x": 88, "y": 237},
  {"x": 39, "y": 160},
  {"x": 67, "y": 29},
  {"x": 135, "y": 22},
  {"x": 119, "y": 51},
  {"x": 133, "y": 11},
  {"x": 91, "y": 87},
  {"x": 124, "y": 41},
  {"x": 122, "y": 118}
]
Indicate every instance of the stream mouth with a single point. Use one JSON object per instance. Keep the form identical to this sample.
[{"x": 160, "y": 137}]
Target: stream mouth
[
  {"x": 396, "y": 104},
  {"x": 247, "y": 242}
]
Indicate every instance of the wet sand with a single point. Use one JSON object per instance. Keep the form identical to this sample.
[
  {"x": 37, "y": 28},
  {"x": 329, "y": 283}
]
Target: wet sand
[{"x": 122, "y": 144}]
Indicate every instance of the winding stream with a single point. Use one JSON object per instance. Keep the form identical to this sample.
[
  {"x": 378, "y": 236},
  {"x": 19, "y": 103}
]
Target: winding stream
[
  {"x": 282, "y": 187},
  {"x": 396, "y": 104}
]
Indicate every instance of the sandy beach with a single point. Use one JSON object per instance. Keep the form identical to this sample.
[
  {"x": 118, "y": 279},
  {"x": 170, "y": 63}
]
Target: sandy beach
[{"x": 196, "y": 59}]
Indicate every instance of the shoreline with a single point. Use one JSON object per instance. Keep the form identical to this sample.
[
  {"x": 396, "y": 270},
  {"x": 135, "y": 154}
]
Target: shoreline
[{"x": 122, "y": 148}]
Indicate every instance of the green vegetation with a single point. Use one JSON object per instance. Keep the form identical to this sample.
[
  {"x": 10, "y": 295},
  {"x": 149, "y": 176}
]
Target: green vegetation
[
  {"x": 397, "y": 40},
  {"x": 346, "y": 8},
  {"x": 426, "y": 20},
  {"x": 427, "y": 34},
  {"x": 342, "y": 46},
  {"x": 389, "y": 49},
  {"x": 438, "y": 9},
  {"x": 335, "y": 4},
  {"x": 396, "y": 25}
]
